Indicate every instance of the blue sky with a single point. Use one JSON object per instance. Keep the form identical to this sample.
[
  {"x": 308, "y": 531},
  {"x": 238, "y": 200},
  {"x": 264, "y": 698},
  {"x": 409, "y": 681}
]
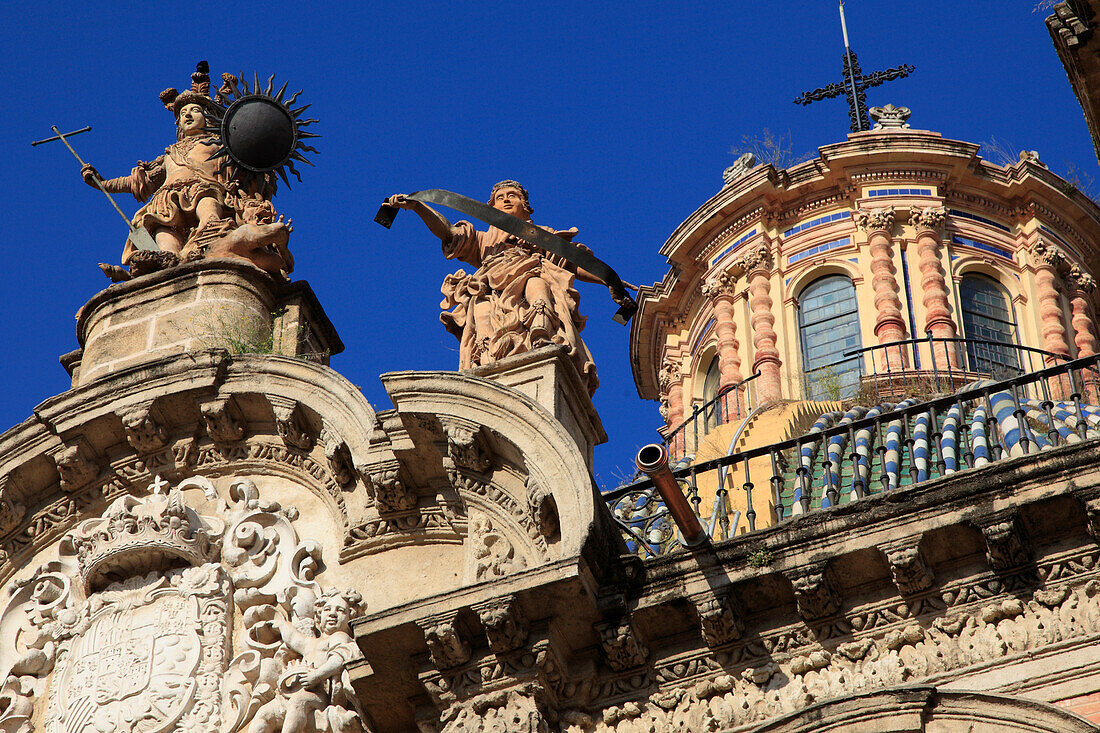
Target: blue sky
[{"x": 619, "y": 118}]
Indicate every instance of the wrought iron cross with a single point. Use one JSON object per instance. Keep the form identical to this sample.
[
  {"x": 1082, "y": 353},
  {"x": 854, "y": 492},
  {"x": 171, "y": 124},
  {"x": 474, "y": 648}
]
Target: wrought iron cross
[{"x": 855, "y": 84}]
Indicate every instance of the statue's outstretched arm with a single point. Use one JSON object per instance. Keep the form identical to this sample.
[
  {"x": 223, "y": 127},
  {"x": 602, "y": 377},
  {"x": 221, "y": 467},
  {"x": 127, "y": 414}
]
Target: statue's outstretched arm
[
  {"x": 436, "y": 222},
  {"x": 142, "y": 181}
]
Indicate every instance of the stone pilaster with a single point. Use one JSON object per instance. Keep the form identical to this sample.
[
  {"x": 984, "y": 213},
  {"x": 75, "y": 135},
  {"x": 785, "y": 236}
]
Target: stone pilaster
[
  {"x": 937, "y": 312},
  {"x": 757, "y": 266},
  {"x": 720, "y": 291},
  {"x": 671, "y": 380},
  {"x": 889, "y": 322}
]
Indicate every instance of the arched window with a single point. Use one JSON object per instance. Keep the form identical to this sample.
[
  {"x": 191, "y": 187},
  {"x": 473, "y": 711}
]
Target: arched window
[
  {"x": 712, "y": 415},
  {"x": 828, "y": 324},
  {"x": 987, "y": 317}
]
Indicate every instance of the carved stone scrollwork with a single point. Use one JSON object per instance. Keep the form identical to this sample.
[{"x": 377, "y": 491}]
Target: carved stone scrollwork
[
  {"x": 466, "y": 446},
  {"x": 743, "y": 165},
  {"x": 76, "y": 465},
  {"x": 389, "y": 491},
  {"x": 505, "y": 624},
  {"x": 224, "y": 423},
  {"x": 890, "y": 117},
  {"x": 719, "y": 620},
  {"x": 445, "y": 645},
  {"x": 876, "y": 220},
  {"x": 511, "y": 711},
  {"x": 543, "y": 508},
  {"x": 1006, "y": 544},
  {"x": 910, "y": 572},
  {"x": 11, "y": 511},
  {"x": 491, "y": 554},
  {"x": 813, "y": 592},
  {"x": 622, "y": 648},
  {"x": 130, "y": 640},
  {"x": 144, "y": 431},
  {"x": 290, "y": 423},
  {"x": 339, "y": 458}
]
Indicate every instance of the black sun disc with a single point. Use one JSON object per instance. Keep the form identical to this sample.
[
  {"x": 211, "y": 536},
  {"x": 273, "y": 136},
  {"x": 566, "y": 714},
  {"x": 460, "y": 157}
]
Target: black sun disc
[{"x": 259, "y": 133}]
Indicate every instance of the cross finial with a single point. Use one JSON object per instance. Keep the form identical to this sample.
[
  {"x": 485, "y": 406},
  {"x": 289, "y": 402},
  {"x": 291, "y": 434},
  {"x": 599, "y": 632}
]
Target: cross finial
[
  {"x": 158, "y": 486},
  {"x": 855, "y": 84}
]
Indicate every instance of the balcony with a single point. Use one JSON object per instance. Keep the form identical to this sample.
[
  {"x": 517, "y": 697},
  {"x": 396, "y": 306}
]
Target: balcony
[{"x": 915, "y": 425}]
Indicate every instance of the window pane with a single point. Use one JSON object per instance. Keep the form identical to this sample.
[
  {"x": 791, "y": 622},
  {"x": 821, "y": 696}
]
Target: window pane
[
  {"x": 986, "y": 317},
  {"x": 829, "y": 326}
]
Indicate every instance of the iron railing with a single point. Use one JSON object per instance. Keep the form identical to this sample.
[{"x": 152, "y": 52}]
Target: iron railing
[
  {"x": 943, "y": 366},
  {"x": 848, "y": 455},
  {"x": 732, "y": 402}
]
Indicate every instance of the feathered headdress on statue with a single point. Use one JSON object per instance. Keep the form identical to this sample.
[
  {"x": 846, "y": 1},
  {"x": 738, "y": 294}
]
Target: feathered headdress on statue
[{"x": 199, "y": 93}]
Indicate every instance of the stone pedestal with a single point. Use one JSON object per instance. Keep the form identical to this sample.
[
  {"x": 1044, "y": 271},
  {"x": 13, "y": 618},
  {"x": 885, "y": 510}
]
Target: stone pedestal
[
  {"x": 199, "y": 305},
  {"x": 548, "y": 376}
]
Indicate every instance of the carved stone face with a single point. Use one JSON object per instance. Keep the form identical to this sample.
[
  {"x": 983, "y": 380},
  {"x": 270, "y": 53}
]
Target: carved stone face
[
  {"x": 510, "y": 201},
  {"x": 192, "y": 120},
  {"x": 333, "y": 615}
]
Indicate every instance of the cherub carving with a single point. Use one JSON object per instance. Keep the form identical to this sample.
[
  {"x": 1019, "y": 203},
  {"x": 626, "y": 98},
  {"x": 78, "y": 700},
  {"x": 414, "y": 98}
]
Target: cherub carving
[{"x": 312, "y": 692}]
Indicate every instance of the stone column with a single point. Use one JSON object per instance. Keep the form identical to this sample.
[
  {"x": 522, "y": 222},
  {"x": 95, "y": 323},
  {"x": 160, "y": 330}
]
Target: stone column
[
  {"x": 889, "y": 323},
  {"x": 937, "y": 316},
  {"x": 1048, "y": 261},
  {"x": 757, "y": 266},
  {"x": 720, "y": 291},
  {"x": 1081, "y": 285}
]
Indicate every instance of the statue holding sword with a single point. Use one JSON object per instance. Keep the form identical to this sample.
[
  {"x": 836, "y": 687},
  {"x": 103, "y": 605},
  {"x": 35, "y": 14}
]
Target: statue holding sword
[{"x": 520, "y": 297}]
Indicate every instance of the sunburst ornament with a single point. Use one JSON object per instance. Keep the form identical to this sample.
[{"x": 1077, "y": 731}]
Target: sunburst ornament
[{"x": 259, "y": 133}]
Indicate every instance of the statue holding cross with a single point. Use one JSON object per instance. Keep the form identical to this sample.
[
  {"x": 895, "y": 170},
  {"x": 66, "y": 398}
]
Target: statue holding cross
[{"x": 209, "y": 195}]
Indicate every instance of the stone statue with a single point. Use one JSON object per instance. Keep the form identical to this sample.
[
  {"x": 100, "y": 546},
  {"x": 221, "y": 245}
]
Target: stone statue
[
  {"x": 317, "y": 684},
  {"x": 193, "y": 208},
  {"x": 520, "y": 297}
]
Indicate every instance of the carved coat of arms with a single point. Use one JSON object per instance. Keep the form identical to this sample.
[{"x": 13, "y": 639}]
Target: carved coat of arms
[{"x": 132, "y": 629}]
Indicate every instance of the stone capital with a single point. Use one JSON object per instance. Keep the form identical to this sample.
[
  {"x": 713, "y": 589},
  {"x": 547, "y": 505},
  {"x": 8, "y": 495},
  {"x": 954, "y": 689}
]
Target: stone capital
[
  {"x": 757, "y": 259},
  {"x": 1048, "y": 255},
  {"x": 670, "y": 374},
  {"x": 929, "y": 218},
  {"x": 290, "y": 423},
  {"x": 721, "y": 285},
  {"x": 876, "y": 220},
  {"x": 223, "y": 420},
  {"x": 390, "y": 493},
  {"x": 1080, "y": 280},
  {"x": 445, "y": 643},
  {"x": 339, "y": 457},
  {"x": 76, "y": 464},
  {"x": 466, "y": 446}
]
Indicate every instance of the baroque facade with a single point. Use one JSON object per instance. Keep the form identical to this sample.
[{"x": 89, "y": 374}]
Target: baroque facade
[{"x": 878, "y": 374}]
